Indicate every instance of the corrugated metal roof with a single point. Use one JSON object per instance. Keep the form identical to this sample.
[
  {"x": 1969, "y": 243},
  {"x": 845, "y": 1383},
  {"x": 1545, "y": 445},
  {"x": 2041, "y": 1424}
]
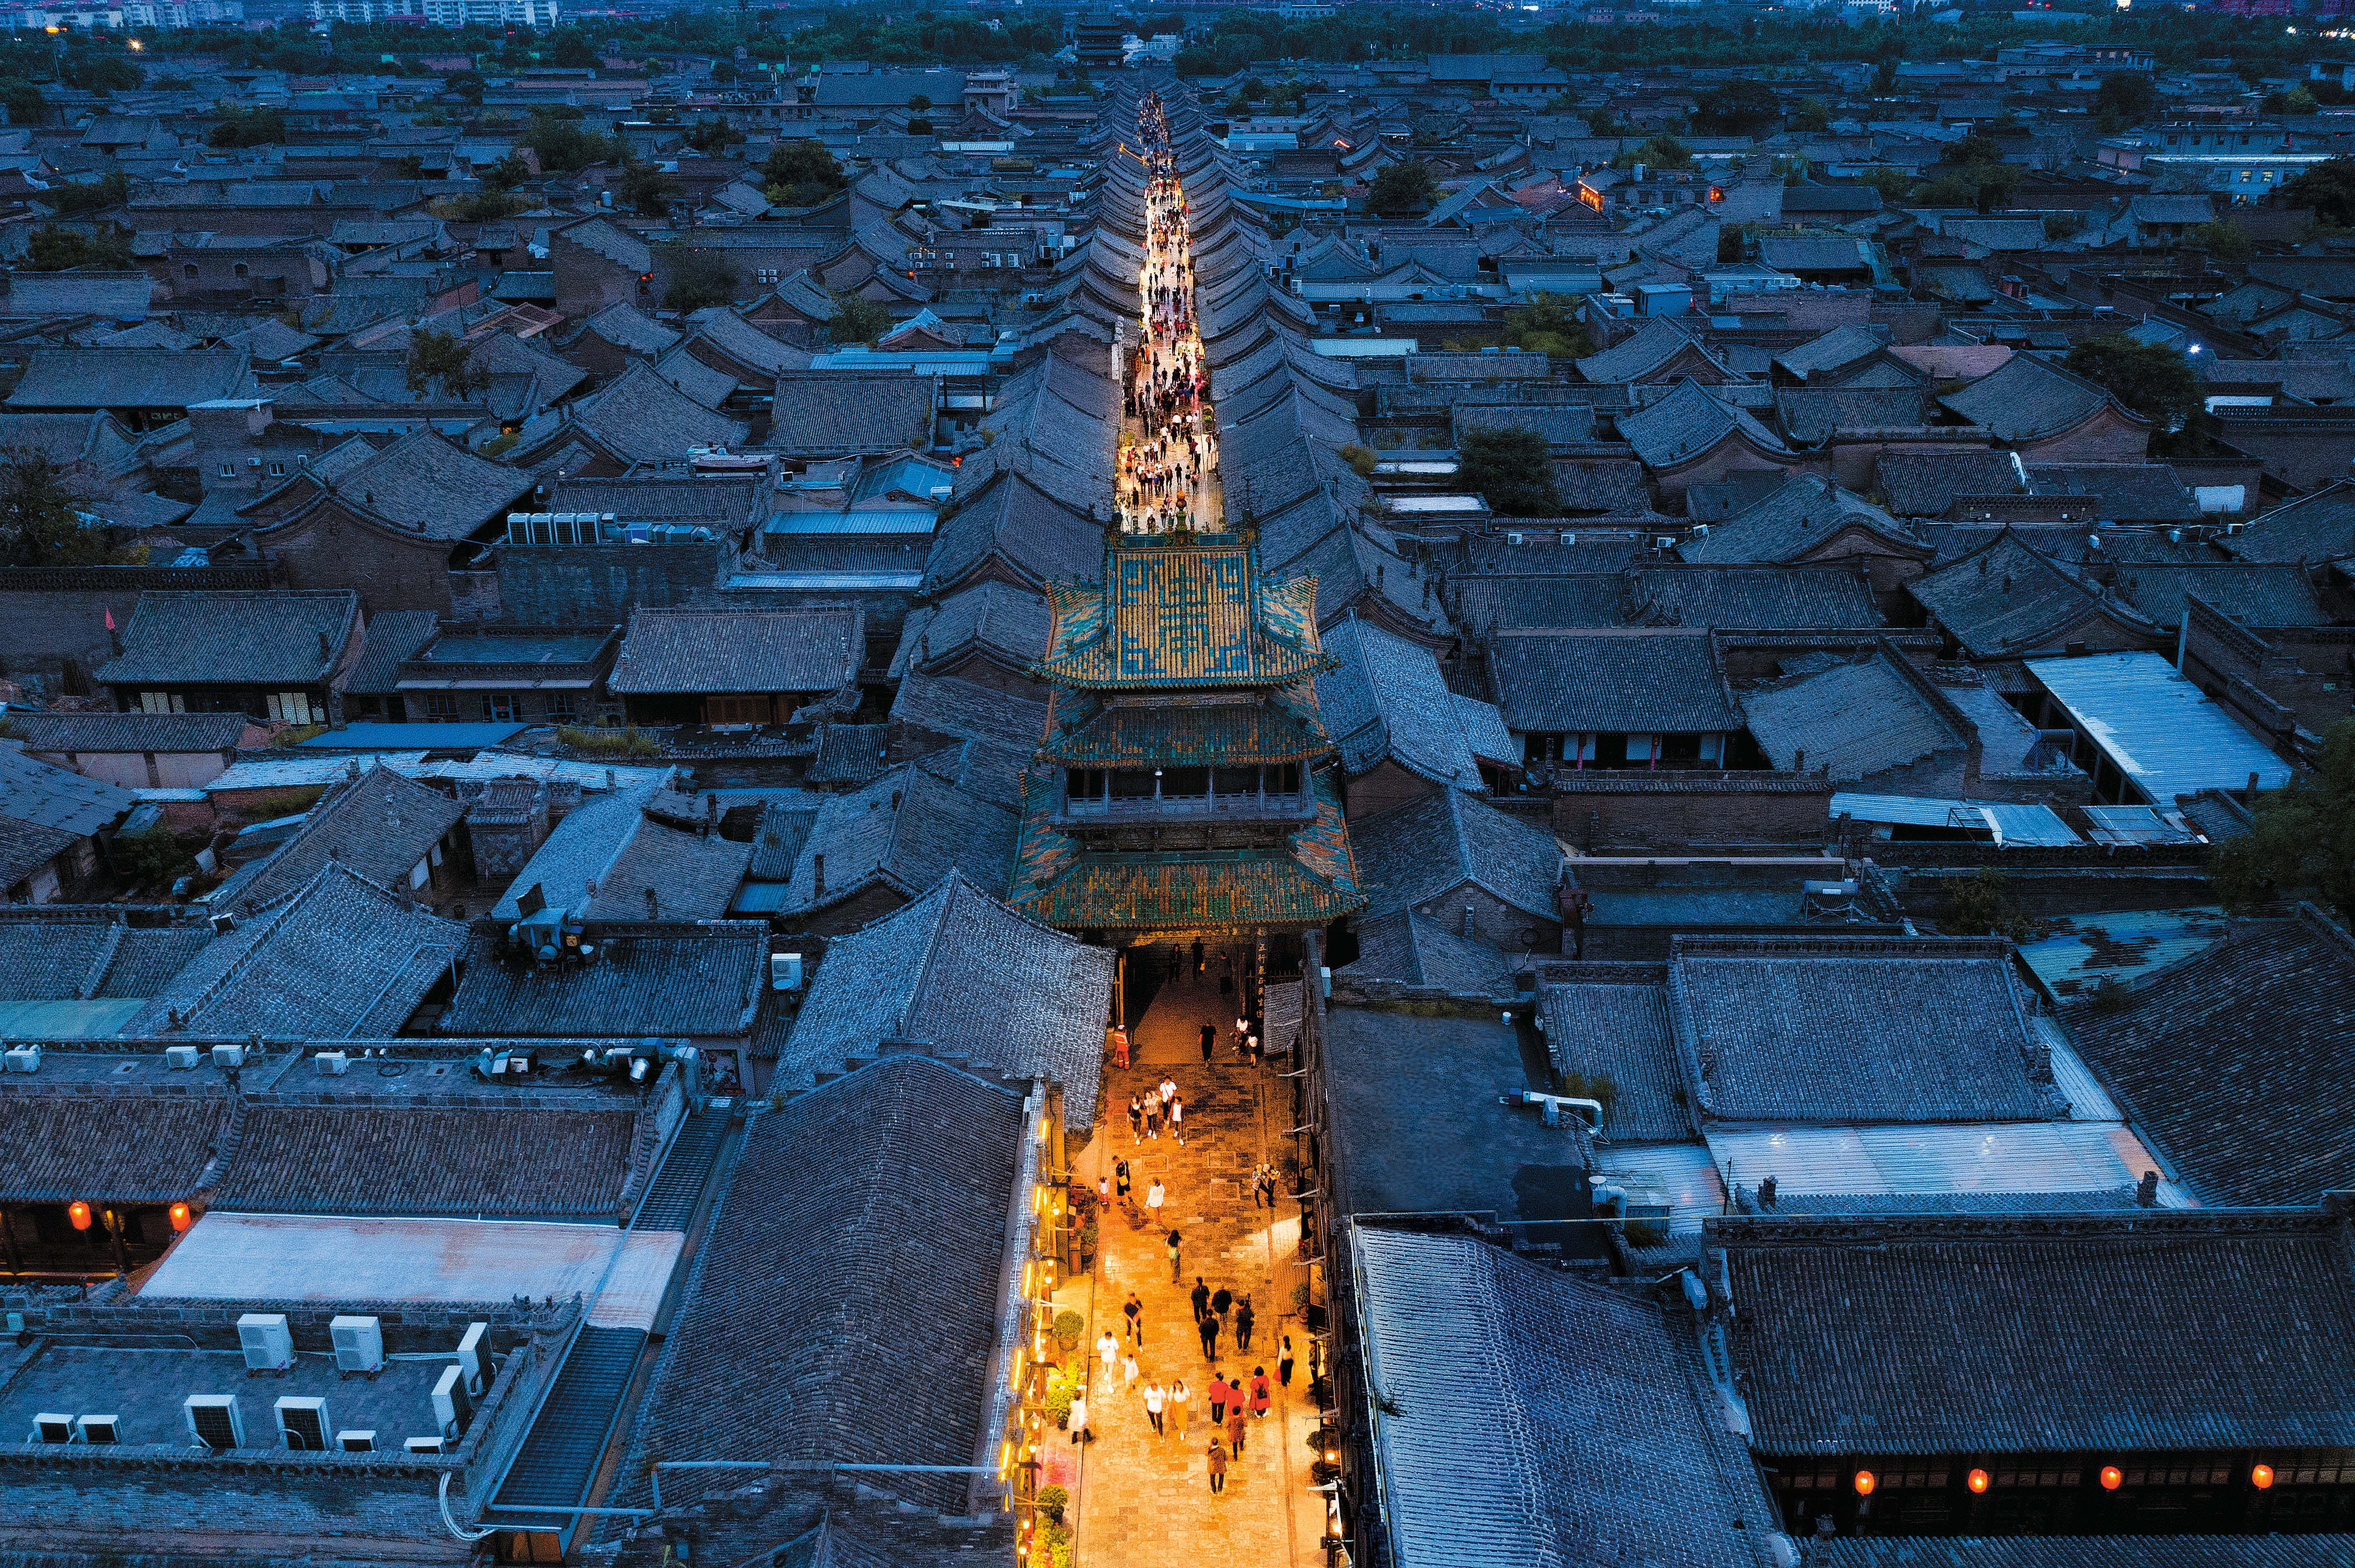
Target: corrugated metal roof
[
  {"x": 2088, "y": 1101},
  {"x": 2156, "y": 727},
  {"x": 1685, "y": 1171},
  {"x": 1993, "y": 1157},
  {"x": 2079, "y": 951},
  {"x": 2011, "y": 824},
  {"x": 299, "y": 771},
  {"x": 874, "y": 520},
  {"x": 307, "y": 1257},
  {"x": 833, "y": 581},
  {"x": 411, "y": 737},
  {"x": 2017, "y": 825}
]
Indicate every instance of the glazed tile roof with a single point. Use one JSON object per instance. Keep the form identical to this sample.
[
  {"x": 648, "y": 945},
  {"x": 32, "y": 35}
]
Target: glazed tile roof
[
  {"x": 1195, "y": 614},
  {"x": 1311, "y": 880},
  {"x": 1230, "y": 735},
  {"x": 2217, "y": 1329},
  {"x": 2234, "y": 1061}
]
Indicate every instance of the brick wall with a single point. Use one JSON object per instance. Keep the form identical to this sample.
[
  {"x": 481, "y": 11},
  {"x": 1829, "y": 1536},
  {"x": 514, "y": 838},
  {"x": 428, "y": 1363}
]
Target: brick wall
[
  {"x": 328, "y": 548},
  {"x": 1493, "y": 921},
  {"x": 2108, "y": 437},
  {"x": 574, "y": 585},
  {"x": 1600, "y": 812},
  {"x": 1370, "y": 794},
  {"x": 2303, "y": 677},
  {"x": 51, "y": 614}
]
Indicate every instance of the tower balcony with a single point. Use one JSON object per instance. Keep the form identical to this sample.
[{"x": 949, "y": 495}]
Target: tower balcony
[{"x": 1277, "y": 796}]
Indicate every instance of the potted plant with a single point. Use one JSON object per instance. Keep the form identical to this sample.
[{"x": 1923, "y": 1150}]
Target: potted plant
[
  {"x": 1051, "y": 1501},
  {"x": 1067, "y": 1328}
]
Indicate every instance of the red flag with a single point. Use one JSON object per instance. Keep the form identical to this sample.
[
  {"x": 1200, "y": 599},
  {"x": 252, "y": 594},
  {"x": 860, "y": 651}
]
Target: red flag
[{"x": 109, "y": 620}]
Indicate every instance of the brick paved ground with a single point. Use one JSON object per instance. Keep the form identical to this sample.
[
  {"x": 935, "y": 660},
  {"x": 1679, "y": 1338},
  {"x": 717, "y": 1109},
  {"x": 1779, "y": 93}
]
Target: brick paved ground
[{"x": 1144, "y": 1500}]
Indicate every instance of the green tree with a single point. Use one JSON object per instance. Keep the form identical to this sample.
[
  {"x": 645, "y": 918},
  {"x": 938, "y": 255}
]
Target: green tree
[
  {"x": 2303, "y": 839},
  {"x": 2328, "y": 188},
  {"x": 2224, "y": 241},
  {"x": 1741, "y": 106},
  {"x": 445, "y": 358},
  {"x": 723, "y": 71},
  {"x": 1403, "y": 188},
  {"x": 109, "y": 189},
  {"x": 1813, "y": 114},
  {"x": 2124, "y": 97},
  {"x": 484, "y": 206},
  {"x": 150, "y": 858},
  {"x": 562, "y": 144},
  {"x": 1511, "y": 469},
  {"x": 1662, "y": 152},
  {"x": 1603, "y": 122},
  {"x": 697, "y": 277},
  {"x": 1893, "y": 184},
  {"x": 1545, "y": 326},
  {"x": 648, "y": 189},
  {"x": 45, "y": 519},
  {"x": 55, "y": 250},
  {"x": 918, "y": 103},
  {"x": 249, "y": 128},
  {"x": 2297, "y": 101},
  {"x": 856, "y": 319},
  {"x": 790, "y": 163},
  {"x": 507, "y": 173},
  {"x": 2154, "y": 380},
  {"x": 468, "y": 85},
  {"x": 25, "y": 104},
  {"x": 713, "y": 136}
]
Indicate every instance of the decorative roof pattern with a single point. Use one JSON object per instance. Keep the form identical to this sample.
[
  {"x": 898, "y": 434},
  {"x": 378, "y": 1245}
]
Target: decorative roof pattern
[
  {"x": 1182, "y": 615},
  {"x": 1229, "y": 734}
]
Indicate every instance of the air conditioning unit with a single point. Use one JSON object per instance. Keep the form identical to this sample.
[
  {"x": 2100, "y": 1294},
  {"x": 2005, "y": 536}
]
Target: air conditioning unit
[
  {"x": 51, "y": 1426},
  {"x": 475, "y": 1357},
  {"x": 303, "y": 1422},
  {"x": 24, "y": 1058},
  {"x": 214, "y": 1421},
  {"x": 334, "y": 1064},
  {"x": 98, "y": 1429},
  {"x": 357, "y": 1441},
  {"x": 423, "y": 1445},
  {"x": 784, "y": 972},
  {"x": 1664, "y": 541},
  {"x": 268, "y": 1344},
  {"x": 1701, "y": 529},
  {"x": 451, "y": 1405},
  {"x": 182, "y": 1057},
  {"x": 359, "y": 1345},
  {"x": 229, "y": 1055},
  {"x": 223, "y": 925},
  {"x": 1516, "y": 538}
]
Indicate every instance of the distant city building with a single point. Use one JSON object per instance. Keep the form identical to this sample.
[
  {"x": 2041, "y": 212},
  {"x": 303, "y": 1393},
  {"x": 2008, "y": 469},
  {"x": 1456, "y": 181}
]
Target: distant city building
[
  {"x": 440, "y": 13},
  {"x": 183, "y": 13}
]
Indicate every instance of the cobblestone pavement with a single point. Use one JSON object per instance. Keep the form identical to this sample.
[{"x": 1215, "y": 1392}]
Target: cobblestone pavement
[{"x": 1144, "y": 1499}]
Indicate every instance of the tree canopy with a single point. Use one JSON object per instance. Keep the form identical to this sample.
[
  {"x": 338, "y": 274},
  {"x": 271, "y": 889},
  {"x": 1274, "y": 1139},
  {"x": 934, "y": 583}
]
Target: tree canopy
[
  {"x": 1741, "y": 106},
  {"x": 2154, "y": 380},
  {"x": 1511, "y": 469},
  {"x": 1545, "y": 326},
  {"x": 800, "y": 174},
  {"x": 54, "y": 250},
  {"x": 446, "y": 359},
  {"x": 697, "y": 277},
  {"x": 249, "y": 128},
  {"x": 856, "y": 319},
  {"x": 1402, "y": 189},
  {"x": 45, "y": 519},
  {"x": 2328, "y": 188},
  {"x": 2304, "y": 838}
]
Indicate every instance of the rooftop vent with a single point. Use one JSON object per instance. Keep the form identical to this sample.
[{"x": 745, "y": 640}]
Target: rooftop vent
[
  {"x": 475, "y": 1357},
  {"x": 51, "y": 1426},
  {"x": 98, "y": 1429},
  {"x": 452, "y": 1407},
  {"x": 24, "y": 1058},
  {"x": 357, "y": 1441}
]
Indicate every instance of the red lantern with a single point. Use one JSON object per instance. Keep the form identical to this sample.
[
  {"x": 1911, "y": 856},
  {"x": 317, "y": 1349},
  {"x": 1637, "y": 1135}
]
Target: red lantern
[
  {"x": 2112, "y": 1478},
  {"x": 1978, "y": 1480},
  {"x": 181, "y": 1218},
  {"x": 78, "y": 1213},
  {"x": 1864, "y": 1483},
  {"x": 2261, "y": 1477}
]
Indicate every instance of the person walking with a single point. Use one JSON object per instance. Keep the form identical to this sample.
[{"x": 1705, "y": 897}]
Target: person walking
[
  {"x": 1108, "y": 1348},
  {"x": 1210, "y": 1040},
  {"x": 1202, "y": 1298},
  {"x": 1135, "y": 1116},
  {"x": 1103, "y": 1190},
  {"x": 1181, "y": 1401},
  {"x": 1133, "y": 1310},
  {"x": 1218, "y": 1398},
  {"x": 1120, "y": 1048},
  {"x": 1128, "y": 1371},
  {"x": 1261, "y": 1396},
  {"x": 1152, "y": 1117},
  {"x": 1219, "y": 1301},
  {"x": 1178, "y": 1121},
  {"x": 1168, "y": 1090},
  {"x": 1198, "y": 963},
  {"x": 1121, "y": 1178},
  {"x": 1209, "y": 1329},
  {"x": 1080, "y": 1433},
  {"x": 1176, "y": 1257},
  {"x": 1218, "y": 1460},
  {"x": 1155, "y": 1399},
  {"x": 1153, "y": 1198},
  {"x": 1243, "y": 1324},
  {"x": 1237, "y": 1427},
  {"x": 1284, "y": 1362}
]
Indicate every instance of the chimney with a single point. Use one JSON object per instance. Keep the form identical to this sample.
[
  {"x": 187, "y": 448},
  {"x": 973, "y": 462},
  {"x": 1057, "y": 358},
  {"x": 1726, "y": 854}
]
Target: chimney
[
  {"x": 819, "y": 862},
  {"x": 2146, "y": 1190},
  {"x": 326, "y": 650},
  {"x": 1766, "y": 1193},
  {"x": 1467, "y": 921},
  {"x": 654, "y": 905}
]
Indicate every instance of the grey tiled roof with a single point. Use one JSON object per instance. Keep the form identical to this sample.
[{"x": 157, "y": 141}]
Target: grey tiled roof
[
  {"x": 2026, "y": 397},
  {"x": 828, "y": 411},
  {"x": 56, "y": 1145},
  {"x": 443, "y": 491},
  {"x": 905, "y": 830},
  {"x": 481, "y": 1160},
  {"x": 1960, "y": 1335},
  {"x": 1687, "y": 422},
  {"x": 377, "y": 826},
  {"x": 393, "y": 636},
  {"x": 2318, "y": 527},
  {"x": 1385, "y": 697},
  {"x": 1856, "y": 718},
  {"x": 146, "y": 957},
  {"x": 991, "y": 617},
  {"x": 340, "y": 957},
  {"x": 1611, "y": 682},
  {"x": 643, "y": 417},
  {"x": 648, "y": 981},
  {"x": 1639, "y": 354},
  {"x": 1415, "y": 948},
  {"x": 131, "y": 378},
  {"x": 1417, "y": 851},
  {"x": 42, "y": 795},
  {"x": 1753, "y": 597},
  {"x": 1857, "y": 1029},
  {"x": 1616, "y": 1026},
  {"x": 73, "y": 733},
  {"x": 2005, "y": 597},
  {"x": 2126, "y": 492},
  {"x": 1531, "y": 1417},
  {"x": 1038, "y": 537},
  {"x": 845, "y": 1305},
  {"x": 1796, "y": 517},
  {"x": 1838, "y": 347},
  {"x": 2254, "y": 593},
  {"x": 45, "y": 957},
  {"x": 1924, "y": 484},
  {"x": 265, "y": 638},
  {"x": 2090, "y": 1551},
  {"x": 977, "y": 982},
  {"x": 775, "y": 651},
  {"x": 1810, "y": 414},
  {"x": 2234, "y": 1061}
]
